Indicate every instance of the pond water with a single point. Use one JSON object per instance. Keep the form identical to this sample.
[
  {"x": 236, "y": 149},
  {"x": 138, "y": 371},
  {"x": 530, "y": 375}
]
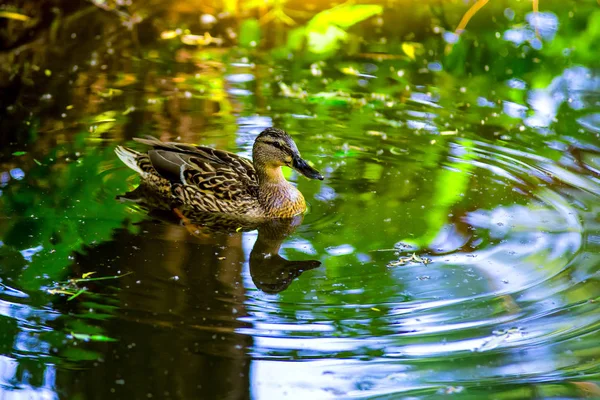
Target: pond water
[{"x": 457, "y": 228}]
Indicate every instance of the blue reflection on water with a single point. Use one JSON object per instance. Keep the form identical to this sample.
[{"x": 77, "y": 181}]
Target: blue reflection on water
[
  {"x": 572, "y": 87},
  {"x": 546, "y": 24},
  {"x": 540, "y": 25},
  {"x": 16, "y": 376},
  {"x": 4, "y": 178},
  {"x": 29, "y": 253},
  {"x": 17, "y": 173}
]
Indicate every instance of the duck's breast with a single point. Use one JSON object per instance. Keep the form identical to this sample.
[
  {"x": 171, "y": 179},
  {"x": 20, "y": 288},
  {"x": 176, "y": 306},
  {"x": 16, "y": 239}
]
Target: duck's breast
[{"x": 282, "y": 201}]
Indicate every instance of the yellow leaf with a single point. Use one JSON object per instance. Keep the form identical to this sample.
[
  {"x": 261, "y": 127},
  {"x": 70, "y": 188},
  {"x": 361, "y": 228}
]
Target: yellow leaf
[
  {"x": 87, "y": 274},
  {"x": 445, "y": 133},
  {"x": 409, "y": 50},
  {"x": 13, "y": 15},
  {"x": 375, "y": 309},
  {"x": 349, "y": 71},
  {"x": 231, "y": 6},
  {"x": 60, "y": 291},
  {"x": 168, "y": 35}
]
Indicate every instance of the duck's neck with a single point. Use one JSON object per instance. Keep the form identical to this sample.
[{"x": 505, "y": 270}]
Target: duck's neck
[
  {"x": 268, "y": 175},
  {"x": 277, "y": 196}
]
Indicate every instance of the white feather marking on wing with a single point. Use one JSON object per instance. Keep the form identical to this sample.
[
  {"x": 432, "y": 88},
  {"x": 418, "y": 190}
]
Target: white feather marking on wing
[{"x": 182, "y": 175}]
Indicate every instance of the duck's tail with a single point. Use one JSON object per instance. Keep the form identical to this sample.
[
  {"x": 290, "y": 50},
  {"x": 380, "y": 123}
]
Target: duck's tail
[{"x": 131, "y": 158}]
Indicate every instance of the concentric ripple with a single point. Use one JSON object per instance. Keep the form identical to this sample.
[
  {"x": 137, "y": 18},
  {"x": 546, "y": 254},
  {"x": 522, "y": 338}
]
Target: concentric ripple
[{"x": 509, "y": 295}]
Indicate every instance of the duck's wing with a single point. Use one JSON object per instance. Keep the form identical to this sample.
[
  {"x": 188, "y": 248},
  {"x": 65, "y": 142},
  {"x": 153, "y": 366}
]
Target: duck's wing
[{"x": 225, "y": 174}]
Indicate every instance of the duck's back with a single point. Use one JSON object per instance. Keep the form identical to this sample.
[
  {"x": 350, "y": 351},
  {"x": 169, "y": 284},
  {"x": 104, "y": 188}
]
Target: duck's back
[{"x": 199, "y": 177}]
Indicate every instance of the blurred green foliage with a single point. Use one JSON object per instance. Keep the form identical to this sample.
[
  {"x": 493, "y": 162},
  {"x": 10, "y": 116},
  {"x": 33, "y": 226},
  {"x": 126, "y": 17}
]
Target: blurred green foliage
[{"x": 53, "y": 227}]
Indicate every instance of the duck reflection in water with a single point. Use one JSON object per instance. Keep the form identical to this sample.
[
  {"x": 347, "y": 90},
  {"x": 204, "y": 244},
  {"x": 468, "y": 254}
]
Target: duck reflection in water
[{"x": 270, "y": 272}]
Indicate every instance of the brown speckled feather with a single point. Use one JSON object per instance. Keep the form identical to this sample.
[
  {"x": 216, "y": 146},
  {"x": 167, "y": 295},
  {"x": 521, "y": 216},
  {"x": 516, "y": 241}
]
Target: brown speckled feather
[
  {"x": 206, "y": 158},
  {"x": 208, "y": 179}
]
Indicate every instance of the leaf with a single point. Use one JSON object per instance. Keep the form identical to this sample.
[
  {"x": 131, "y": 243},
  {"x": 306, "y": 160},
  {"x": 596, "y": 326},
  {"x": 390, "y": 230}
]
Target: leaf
[
  {"x": 326, "y": 30},
  {"x": 325, "y": 42},
  {"x": 60, "y": 291},
  {"x": 129, "y": 110},
  {"x": 110, "y": 92},
  {"x": 14, "y": 16},
  {"x": 343, "y": 16},
  {"x": 446, "y": 133},
  {"x": 94, "y": 338},
  {"x": 80, "y": 291},
  {"x": 88, "y": 274},
  {"x": 19, "y": 153},
  {"x": 409, "y": 50},
  {"x": 166, "y": 35},
  {"x": 101, "y": 278},
  {"x": 346, "y": 153}
]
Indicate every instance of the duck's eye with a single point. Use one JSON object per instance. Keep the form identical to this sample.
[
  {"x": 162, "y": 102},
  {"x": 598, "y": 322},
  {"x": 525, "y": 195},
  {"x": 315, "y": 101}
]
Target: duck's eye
[{"x": 277, "y": 145}]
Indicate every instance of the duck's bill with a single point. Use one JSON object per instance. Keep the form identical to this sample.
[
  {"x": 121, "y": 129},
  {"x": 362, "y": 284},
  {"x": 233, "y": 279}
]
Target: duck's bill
[{"x": 302, "y": 166}]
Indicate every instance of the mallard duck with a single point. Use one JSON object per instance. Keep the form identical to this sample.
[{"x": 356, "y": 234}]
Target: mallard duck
[{"x": 209, "y": 180}]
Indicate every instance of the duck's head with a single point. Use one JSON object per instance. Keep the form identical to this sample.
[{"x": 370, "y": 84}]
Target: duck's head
[{"x": 274, "y": 148}]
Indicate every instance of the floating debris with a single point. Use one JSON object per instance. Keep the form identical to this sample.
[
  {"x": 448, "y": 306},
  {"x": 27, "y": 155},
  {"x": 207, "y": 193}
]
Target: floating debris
[
  {"x": 92, "y": 338},
  {"x": 499, "y": 337},
  {"x": 414, "y": 258},
  {"x": 71, "y": 289},
  {"x": 447, "y": 133},
  {"x": 451, "y": 390}
]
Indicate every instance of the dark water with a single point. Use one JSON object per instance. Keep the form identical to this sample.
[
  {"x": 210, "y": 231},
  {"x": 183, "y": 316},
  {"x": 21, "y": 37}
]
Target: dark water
[{"x": 484, "y": 164}]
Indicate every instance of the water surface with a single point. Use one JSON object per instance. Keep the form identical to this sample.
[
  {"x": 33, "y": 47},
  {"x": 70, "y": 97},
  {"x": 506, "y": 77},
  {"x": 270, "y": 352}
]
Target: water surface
[{"x": 457, "y": 226}]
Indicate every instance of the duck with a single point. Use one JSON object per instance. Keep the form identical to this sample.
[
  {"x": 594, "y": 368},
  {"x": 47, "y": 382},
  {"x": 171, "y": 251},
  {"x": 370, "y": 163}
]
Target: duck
[{"x": 208, "y": 180}]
